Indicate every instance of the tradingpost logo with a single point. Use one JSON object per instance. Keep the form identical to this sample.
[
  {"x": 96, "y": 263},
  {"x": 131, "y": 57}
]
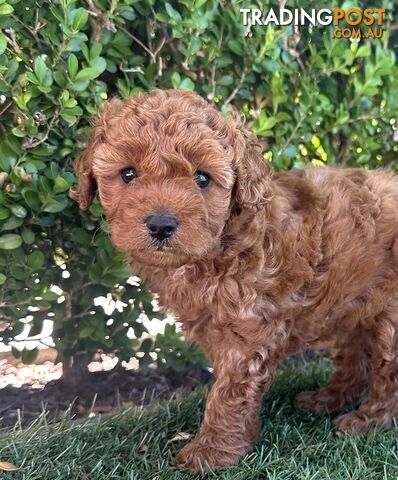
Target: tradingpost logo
[{"x": 350, "y": 23}]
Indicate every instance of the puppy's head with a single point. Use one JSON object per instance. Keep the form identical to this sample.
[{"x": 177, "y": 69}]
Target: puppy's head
[{"x": 170, "y": 170}]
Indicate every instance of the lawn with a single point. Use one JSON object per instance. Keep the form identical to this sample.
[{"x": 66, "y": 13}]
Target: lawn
[{"x": 134, "y": 445}]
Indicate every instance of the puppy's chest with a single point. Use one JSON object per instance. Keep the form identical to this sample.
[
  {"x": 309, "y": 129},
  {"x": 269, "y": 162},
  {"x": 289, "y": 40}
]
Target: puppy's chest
[
  {"x": 185, "y": 297},
  {"x": 189, "y": 294}
]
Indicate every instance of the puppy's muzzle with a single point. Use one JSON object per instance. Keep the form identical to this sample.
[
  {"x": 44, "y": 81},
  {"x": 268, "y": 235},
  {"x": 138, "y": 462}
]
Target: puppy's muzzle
[{"x": 161, "y": 226}]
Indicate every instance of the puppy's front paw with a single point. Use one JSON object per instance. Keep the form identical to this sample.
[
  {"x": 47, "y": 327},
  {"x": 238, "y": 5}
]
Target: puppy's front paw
[
  {"x": 199, "y": 457},
  {"x": 353, "y": 422}
]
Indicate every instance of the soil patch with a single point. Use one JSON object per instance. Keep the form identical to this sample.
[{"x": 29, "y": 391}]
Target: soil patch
[{"x": 102, "y": 392}]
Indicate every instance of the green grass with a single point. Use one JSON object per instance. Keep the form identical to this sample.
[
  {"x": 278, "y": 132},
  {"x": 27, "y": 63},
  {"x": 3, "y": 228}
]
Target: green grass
[{"x": 133, "y": 445}]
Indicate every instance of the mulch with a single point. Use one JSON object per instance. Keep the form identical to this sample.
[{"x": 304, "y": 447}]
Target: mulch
[{"x": 102, "y": 392}]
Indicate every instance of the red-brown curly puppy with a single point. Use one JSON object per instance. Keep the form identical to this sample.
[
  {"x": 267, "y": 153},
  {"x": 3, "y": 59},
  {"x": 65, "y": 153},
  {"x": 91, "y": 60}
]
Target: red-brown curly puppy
[{"x": 256, "y": 265}]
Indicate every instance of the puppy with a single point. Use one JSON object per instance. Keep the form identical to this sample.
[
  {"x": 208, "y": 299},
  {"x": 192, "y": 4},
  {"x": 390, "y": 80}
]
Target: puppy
[{"x": 256, "y": 265}]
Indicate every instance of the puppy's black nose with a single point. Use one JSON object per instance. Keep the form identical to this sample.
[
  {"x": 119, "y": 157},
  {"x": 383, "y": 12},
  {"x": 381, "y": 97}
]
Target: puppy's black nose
[{"x": 161, "y": 226}]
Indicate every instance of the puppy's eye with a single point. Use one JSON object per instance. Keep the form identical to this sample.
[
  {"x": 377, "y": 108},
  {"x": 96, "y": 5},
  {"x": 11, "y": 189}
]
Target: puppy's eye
[
  {"x": 202, "y": 179},
  {"x": 128, "y": 174}
]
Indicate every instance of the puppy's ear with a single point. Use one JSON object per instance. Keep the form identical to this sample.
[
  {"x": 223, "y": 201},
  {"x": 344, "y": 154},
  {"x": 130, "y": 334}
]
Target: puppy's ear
[
  {"x": 253, "y": 187},
  {"x": 84, "y": 191}
]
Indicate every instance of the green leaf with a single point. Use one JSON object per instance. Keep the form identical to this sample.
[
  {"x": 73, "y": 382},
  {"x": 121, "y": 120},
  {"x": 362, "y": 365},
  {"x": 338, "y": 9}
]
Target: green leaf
[
  {"x": 146, "y": 345},
  {"x": 36, "y": 260},
  {"x": 54, "y": 171},
  {"x": 61, "y": 185},
  {"x": 45, "y": 221},
  {"x": 16, "y": 352},
  {"x": 269, "y": 123},
  {"x": 120, "y": 271},
  {"x": 290, "y": 151},
  {"x": 363, "y": 51},
  {"x": 10, "y": 241},
  {"x": 12, "y": 223},
  {"x": 43, "y": 304},
  {"x": 87, "y": 74},
  {"x": 195, "y": 45},
  {"x": 29, "y": 356},
  {"x": 187, "y": 84},
  {"x": 53, "y": 206},
  {"x": 80, "y": 86},
  {"x": 80, "y": 17},
  {"x": 22, "y": 99},
  {"x": 162, "y": 18},
  {"x": 3, "y": 43},
  {"x": 74, "y": 45},
  {"x": 81, "y": 236},
  {"x": 45, "y": 184},
  {"x": 28, "y": 236},
  {"x": 6, "y": 9},
  {"x": 176, "y": 80},
  {"x": 225, "y": 80},
  {"x": 236, "y": 46},
  {"x": 86, "y": 331},
  {"x": 264, "y": 124},
  {"x": 57, "y": 14},
  {"x": 19, "y": 211},
  {"x": 20, "y": 273},
  {"x": 40, "y": 69},
  {"x": 96, "y": 210},
  {"x": 50, "y": 296},
  {"x": 173, "y": 14},
  {"x": 99, "y": 64},
  {"x": 4, "y": 213},
  {"x": 73, "y": 65},
  {"x": 17, "y": 131},
  {"x": 18, "y": 328},
  {"x": 95, "y": 50},
  {"x": 32, "y": 199},
  {"x": 3, "y": 279}
]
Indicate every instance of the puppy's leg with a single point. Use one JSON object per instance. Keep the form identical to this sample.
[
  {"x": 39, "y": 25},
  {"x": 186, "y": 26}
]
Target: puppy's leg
[
  {"x": 381, "y": 405},
  {"x": 347, "y": 385},
  {"x": 231, "y": 422}
]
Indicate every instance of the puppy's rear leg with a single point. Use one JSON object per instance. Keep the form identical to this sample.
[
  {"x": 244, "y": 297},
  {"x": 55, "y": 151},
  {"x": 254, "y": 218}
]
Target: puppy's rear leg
[
  {"x": 348, "y": 384},
  {"x": 381, "y": 405}
]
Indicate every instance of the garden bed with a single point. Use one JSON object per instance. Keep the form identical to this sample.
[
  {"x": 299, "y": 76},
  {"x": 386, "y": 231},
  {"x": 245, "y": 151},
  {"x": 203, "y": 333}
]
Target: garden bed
[{"x": 101, "y": 392}]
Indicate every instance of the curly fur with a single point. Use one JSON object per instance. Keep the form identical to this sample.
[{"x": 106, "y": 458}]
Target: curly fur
[{"x": 263, "y": 264}]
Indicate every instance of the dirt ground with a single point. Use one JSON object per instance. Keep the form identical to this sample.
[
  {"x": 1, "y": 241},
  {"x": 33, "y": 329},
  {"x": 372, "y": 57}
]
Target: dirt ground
[{"x": 26, "y": 390}]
